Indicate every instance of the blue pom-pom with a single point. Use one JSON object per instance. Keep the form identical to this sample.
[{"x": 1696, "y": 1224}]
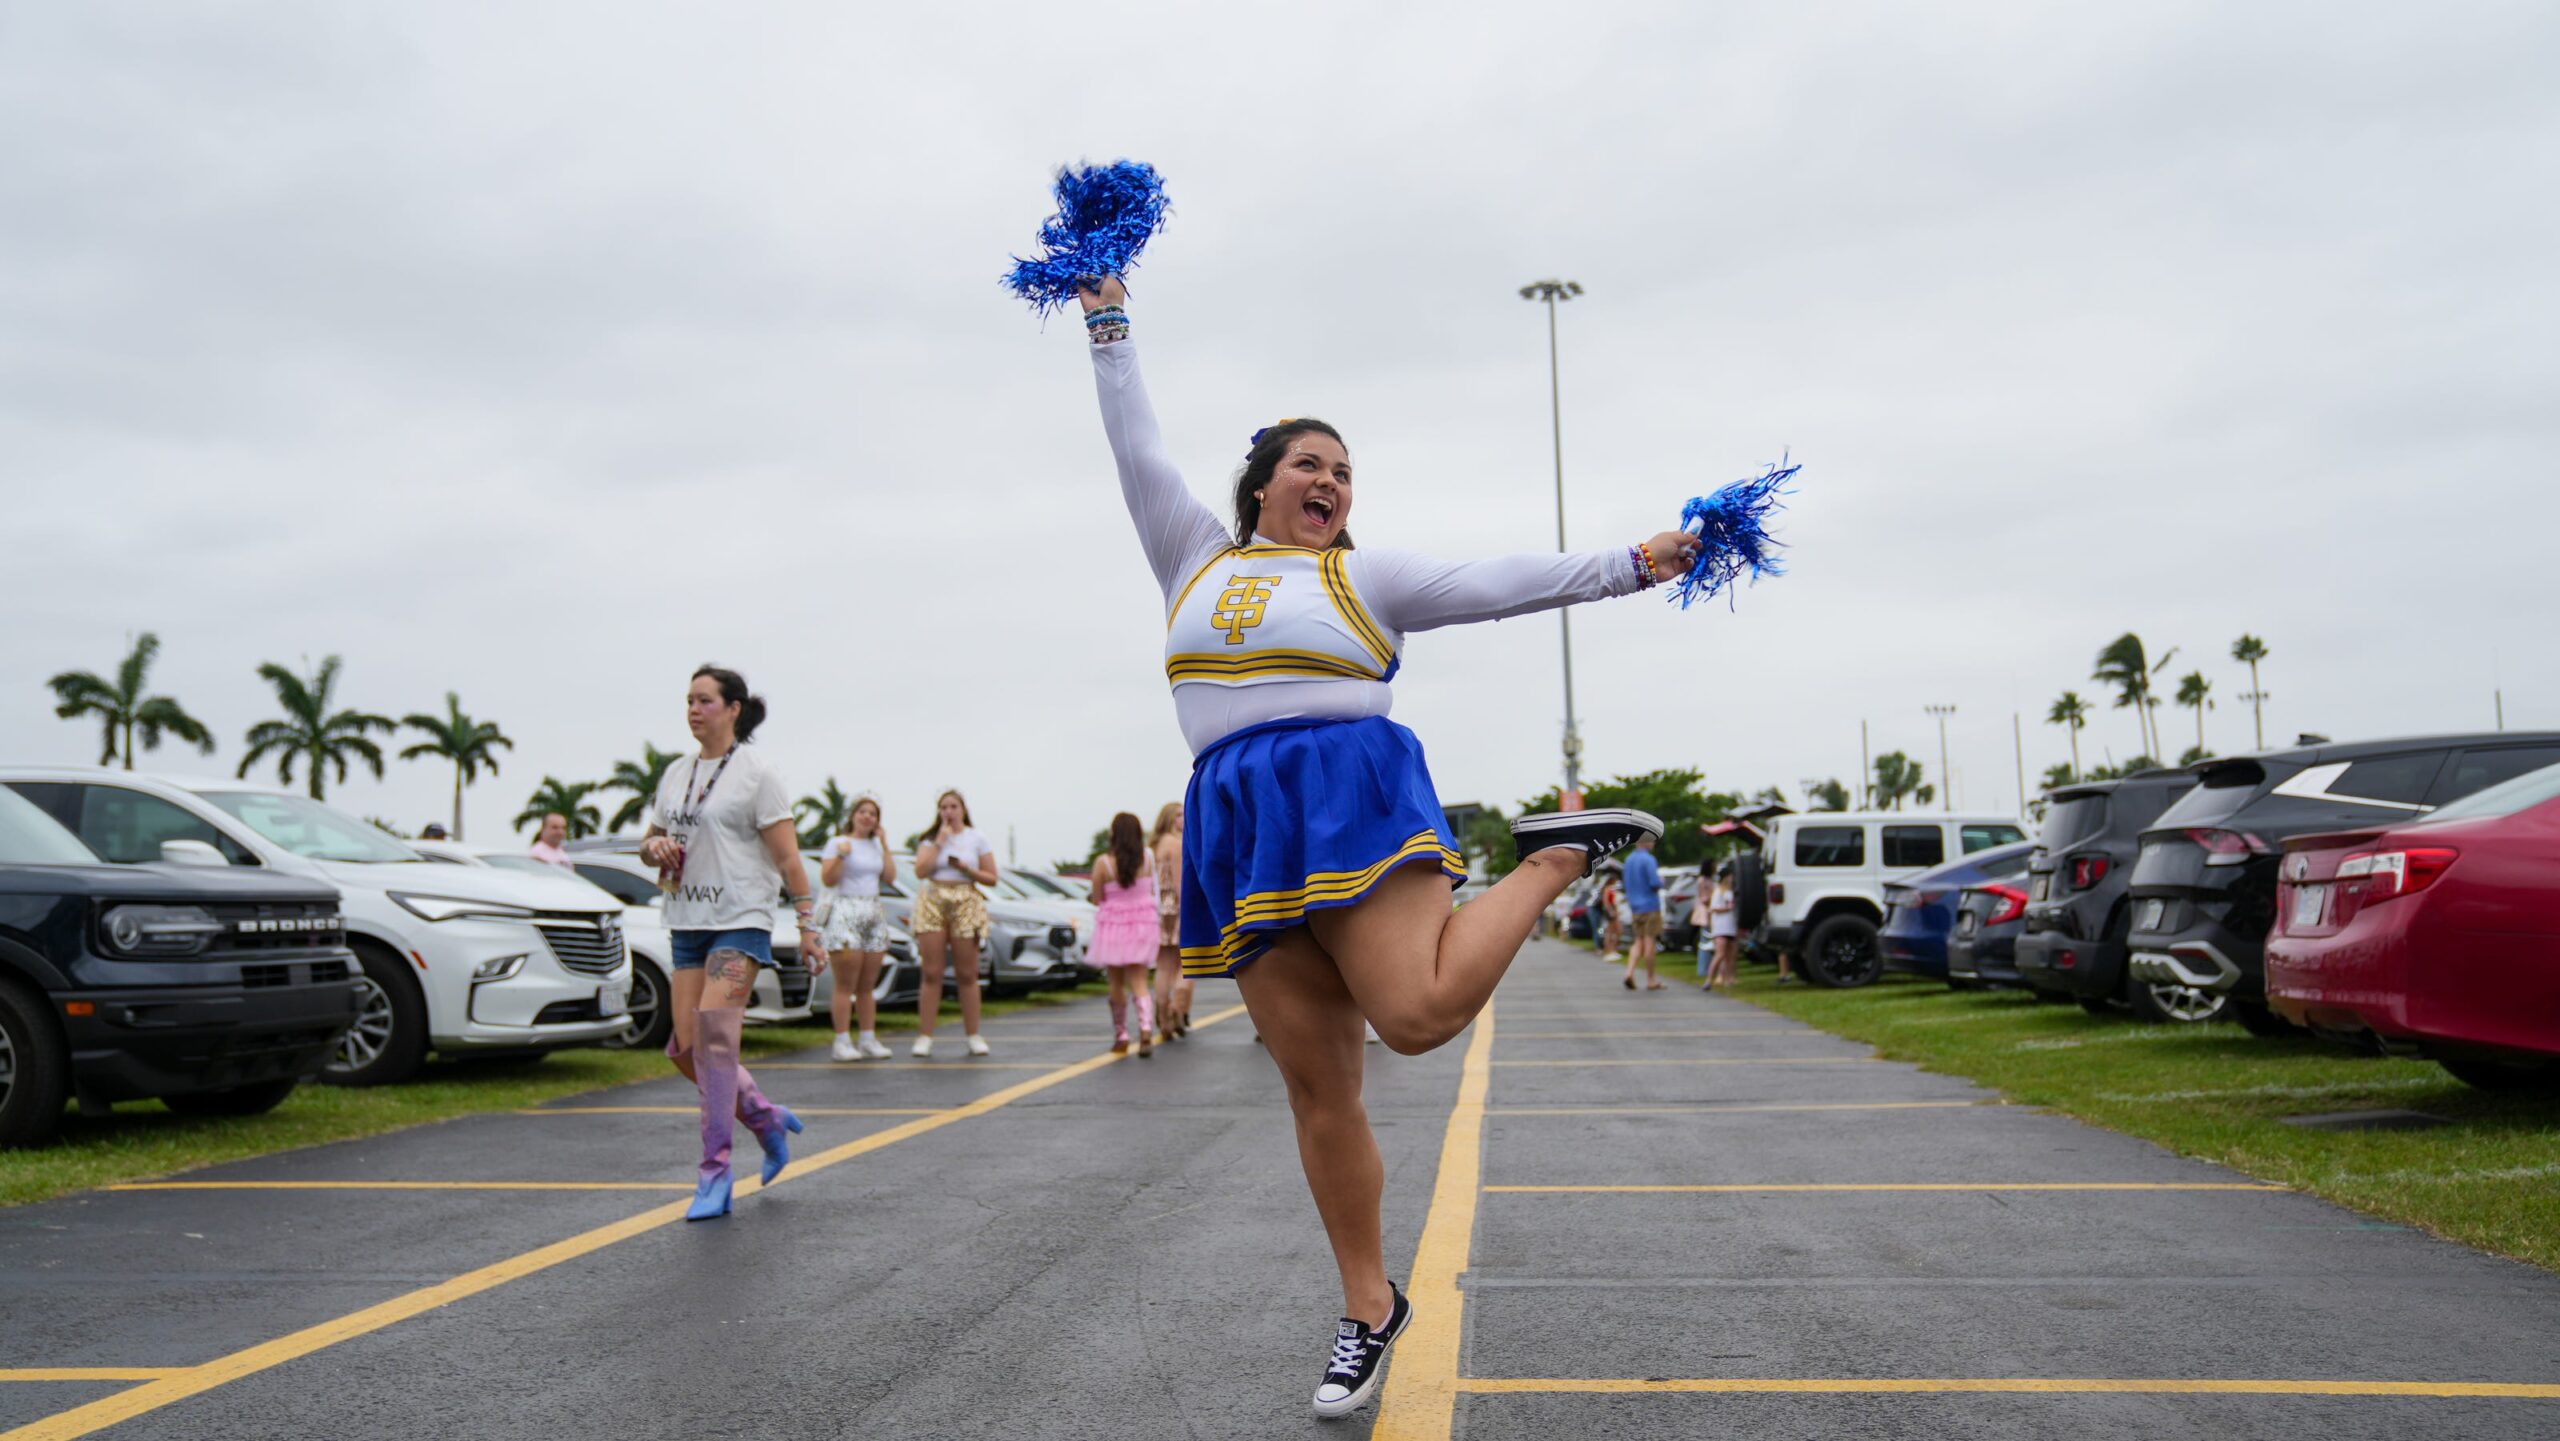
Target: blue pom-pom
[
  {"x": 1106, "y": 215},
  {"x": 1731, "y": 527}
]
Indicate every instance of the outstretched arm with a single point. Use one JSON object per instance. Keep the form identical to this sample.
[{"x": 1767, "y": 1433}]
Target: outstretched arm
[
  {"x": 1410, "y": 592},
  {"x": 1178, "y": 532}
]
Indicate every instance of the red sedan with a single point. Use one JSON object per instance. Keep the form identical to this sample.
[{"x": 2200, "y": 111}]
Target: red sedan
[{"x": 2440, "y": 936}]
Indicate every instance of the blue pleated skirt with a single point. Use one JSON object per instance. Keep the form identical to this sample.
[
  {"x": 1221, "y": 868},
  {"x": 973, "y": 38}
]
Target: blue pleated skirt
[{"x": 1295, "y": 816}]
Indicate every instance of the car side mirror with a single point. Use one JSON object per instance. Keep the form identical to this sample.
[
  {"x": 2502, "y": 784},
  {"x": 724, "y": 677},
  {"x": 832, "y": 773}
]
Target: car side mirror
[{"x": 191, "y": 853}]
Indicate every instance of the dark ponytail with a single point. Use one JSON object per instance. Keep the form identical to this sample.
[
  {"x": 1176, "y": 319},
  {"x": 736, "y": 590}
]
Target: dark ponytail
[
  {"x": 1128, "y": 848},
  {"x": 1269, "y": 445},
  {"x": 733, "y": 689}
]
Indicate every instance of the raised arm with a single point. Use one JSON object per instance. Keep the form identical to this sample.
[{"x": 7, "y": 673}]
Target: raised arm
[
  {"x": 1178, "y": 532},
  {"x": 1408, "y": 592}
]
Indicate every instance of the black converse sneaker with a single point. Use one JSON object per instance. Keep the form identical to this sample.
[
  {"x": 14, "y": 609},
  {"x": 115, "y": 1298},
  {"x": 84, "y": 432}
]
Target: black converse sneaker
[
  {"x": 1359, "y": 1359},
  {"x": 1601, "y": 834}
]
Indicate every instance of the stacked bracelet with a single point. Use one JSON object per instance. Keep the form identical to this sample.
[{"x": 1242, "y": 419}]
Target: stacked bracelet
[
  {"x": 1106, "y": 324},
  {"x": 1648, "y": 575}
]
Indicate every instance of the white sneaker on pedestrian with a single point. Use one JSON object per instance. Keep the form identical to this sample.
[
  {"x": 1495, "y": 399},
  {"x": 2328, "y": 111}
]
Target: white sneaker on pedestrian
[
  {"x": 977, "y": 1045},
  {"x": 842, "y": 1048},
  {"x": 922, "y": 1048},
  {"x": 870, "y": 1049}
]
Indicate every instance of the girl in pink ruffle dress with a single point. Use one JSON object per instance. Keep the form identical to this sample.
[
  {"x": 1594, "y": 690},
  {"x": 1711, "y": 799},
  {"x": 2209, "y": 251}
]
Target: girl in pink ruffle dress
[{"x": 1125, "y": 932}]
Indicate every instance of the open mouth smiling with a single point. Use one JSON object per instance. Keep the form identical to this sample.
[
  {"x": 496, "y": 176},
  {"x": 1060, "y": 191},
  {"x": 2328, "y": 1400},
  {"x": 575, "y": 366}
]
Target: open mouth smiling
[{"x": 1318, "y": 510}]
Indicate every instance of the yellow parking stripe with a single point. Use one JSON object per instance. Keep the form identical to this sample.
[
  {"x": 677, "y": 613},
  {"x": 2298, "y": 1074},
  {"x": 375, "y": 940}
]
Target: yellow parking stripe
[
  {"x": 1714, "y": 1110},
  {"x": 222, "y": 1370},
  {"x": 697, "y": 1110},
  {"x": 2142, "y": 1386},
  {"x": 1896, "y": 1186},
  {"x": 399, "y": 1186},
  {"x": 960, "y": 1061},
  {"x": 1712, "y": 1061},
  {"x": 88, "y": 1373},
  {"x": 1418, "y": 1401},
  {"x": 1630, "y": 1033}
]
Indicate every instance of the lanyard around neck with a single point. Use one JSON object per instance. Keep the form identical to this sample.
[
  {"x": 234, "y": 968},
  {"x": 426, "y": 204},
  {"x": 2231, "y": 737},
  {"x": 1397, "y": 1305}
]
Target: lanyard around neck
[{"x": 698, "y": 802}]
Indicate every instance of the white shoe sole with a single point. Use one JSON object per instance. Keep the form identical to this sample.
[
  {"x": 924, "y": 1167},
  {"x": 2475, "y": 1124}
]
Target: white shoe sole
[{"x": 1353, "y": 1402}]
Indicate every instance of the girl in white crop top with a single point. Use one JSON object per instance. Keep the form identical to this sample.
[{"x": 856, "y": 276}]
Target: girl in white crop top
[{"x": 857, "y": 930}]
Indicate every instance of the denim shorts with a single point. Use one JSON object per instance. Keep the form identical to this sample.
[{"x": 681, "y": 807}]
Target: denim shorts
[{"x": 692, "y": 948}]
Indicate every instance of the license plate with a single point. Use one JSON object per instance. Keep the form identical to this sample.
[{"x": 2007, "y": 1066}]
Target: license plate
[
  {"x": 612, "y": 1000},
  {"x": 2037, "y": 887},
  {"x": 2150, "y": 916},
  {"x": 2309, "y": 904},
  {"x": 1966, "y": 922}
]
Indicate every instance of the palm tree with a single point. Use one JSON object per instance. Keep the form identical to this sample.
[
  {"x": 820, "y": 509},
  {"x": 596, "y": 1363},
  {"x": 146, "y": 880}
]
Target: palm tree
[
  {"x": 1828, "y": 795},
  {"x": 1898, "y": 779},
  {"x": 310, "y": 731},
  {"x": 123, "y": 711},
  {"x": 468, "y": 743},
  {"x": 2196, "y": 693},
  {"x": 2123, "y": 665},
  {"x": 2249, "y": 650},
  {"x": 569, "y": 798},
  {"x": 641, "y": 778},
  {"x": 823, "y": 814},
  {"x": 2070, "y": 711},
  {"x": 2055, "y": 776}
]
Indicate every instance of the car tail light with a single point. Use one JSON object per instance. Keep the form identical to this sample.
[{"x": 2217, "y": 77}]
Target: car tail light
[
  {"x": 2226, "y": 848},
  {"x": 1777, "y": 893},
  {"x": 2013, "y": 904},
  {"x": 2065, "y": 960},
  {"x": 2368, "y": 878},
  {"x": 2087, "y": 871}
]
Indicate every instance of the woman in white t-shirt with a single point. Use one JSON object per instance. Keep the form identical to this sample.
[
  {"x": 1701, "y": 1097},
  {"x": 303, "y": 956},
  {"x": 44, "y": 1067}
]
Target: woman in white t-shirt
[
  {"x": 721, "y": 835},
  {"x": 951, "y": 916},
  {"x": 857, "y": 933},
  {"x": 1724, "y": 934}
]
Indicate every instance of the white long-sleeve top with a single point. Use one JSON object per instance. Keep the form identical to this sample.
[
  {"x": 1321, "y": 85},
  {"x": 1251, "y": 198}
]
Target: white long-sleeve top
[{"x": 1282, "y": 633}]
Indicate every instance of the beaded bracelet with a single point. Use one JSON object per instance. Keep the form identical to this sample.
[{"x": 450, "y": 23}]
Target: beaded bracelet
[
  {"x": 1107, "y": 325},
  {"x": 1648, "y": 575}
]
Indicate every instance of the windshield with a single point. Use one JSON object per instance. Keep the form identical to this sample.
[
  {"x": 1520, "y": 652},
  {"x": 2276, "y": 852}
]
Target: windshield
[
  {"x": 1038, "y": 883},
  {"x": 522, "y": 863},
  {"x": 29, "y": 837},
  {"x": 310, "y": 829},
  {"x": 2503, "y": 799}
]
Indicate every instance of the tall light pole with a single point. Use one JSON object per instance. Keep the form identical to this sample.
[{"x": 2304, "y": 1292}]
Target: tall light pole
[
  {"x": 1553, "y": 291},
  {"x": 1946, "y": 778}
]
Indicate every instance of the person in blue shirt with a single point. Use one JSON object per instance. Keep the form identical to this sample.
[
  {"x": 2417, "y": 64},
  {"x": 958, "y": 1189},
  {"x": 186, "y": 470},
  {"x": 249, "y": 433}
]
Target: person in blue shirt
[{"x": 1644, "y": 900}]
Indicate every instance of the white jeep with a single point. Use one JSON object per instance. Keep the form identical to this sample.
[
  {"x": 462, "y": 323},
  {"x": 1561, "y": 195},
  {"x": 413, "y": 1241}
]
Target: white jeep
[{"x": 1816, "y": 888}]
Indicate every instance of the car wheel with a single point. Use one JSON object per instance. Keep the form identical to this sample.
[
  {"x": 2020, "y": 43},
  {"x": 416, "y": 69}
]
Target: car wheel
[
  {"x": 2258, "y": 1019},
  {"x": 650, "y": 1016},
  {"x": 2166, "y": 1003},
  {"x": 2524, "y": 1076},
  {"x": 254, "y": 1100},
  {"x": 35, "y": 1074},
  {"x": 1842, "y": 952},
  {"x": 388, "y": 1039}
]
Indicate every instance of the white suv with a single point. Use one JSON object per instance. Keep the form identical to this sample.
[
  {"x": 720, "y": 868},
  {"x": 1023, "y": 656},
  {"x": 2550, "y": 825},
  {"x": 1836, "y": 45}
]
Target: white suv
[
  {"x": 1819, "y": 887},
  {"x": 457, "y": 959}
]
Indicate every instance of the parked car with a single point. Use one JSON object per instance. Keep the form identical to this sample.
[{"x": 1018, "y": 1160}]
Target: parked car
[
  {"x": 1818, "y": 887},
  {"x": 458, "y": 960},
  {"x": 2204, "y": 887},
  {"x": 1034, "y": 940},
  {"x": 1920, "y": 913},
  {"x": 217, "y": 991},
  {"x": 1982, "y": 950},
  {"x": 2079, "y": 883},
  {"x": 2437, "y": 937},
  {"x": 783, "y": 991},
  {"x": 1679, "y": 893}
]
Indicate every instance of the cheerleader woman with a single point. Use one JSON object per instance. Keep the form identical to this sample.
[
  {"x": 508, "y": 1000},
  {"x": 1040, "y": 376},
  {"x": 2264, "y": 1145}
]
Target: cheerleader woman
[
  {"x": 857, "y": 932},
  {"x": 1316, "y": 868},
  {"x": 722, "y": 838},
  {"x": 1124, "y": 929}
]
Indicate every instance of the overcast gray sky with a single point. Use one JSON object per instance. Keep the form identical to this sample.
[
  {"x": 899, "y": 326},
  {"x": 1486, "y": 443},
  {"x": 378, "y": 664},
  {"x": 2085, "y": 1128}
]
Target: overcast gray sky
[{"x": 541, "y": 352}]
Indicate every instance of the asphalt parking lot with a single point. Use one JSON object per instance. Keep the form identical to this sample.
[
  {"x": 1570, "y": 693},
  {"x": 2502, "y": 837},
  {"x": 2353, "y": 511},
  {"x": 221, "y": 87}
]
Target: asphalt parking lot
[{"x": 1642, "y": 1215}]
